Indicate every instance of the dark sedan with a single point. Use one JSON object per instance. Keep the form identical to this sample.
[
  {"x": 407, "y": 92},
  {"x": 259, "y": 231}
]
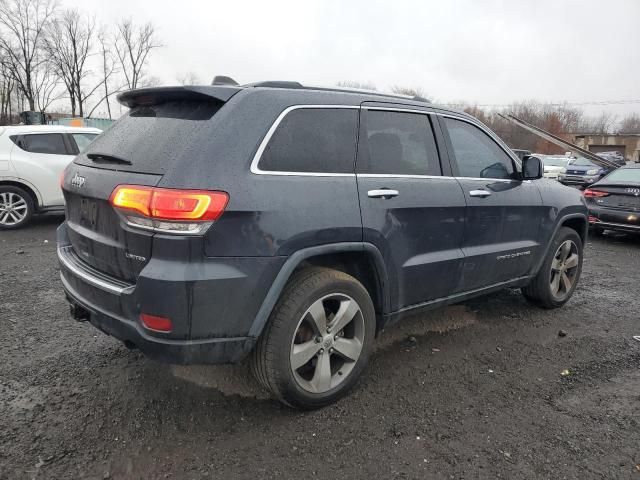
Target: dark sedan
[{"x": 614, "y": 201}]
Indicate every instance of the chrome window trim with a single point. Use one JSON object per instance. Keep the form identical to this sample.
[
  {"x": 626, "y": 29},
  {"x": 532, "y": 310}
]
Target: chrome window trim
[
  {"x": 255, "y": 169},
  {"x": 398, "y": 109},
  {"x": 489, "y": 133},
  {"x": 399, "y": 175}
]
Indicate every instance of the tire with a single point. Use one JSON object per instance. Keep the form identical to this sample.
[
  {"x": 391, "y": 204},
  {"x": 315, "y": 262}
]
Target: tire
[
  {"x": 542, "y": 289},
  {"x": 313, "y": 298},
  {"x": 16, "y": 207}
]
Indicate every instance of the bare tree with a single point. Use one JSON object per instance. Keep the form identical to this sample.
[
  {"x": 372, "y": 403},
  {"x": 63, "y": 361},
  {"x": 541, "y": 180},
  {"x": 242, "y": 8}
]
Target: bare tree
[
  {"x": 630, "y": 124},
  {"x": 602, "y": 124},
  {"x": 357, "y": 85},
  {"x": 69, "y": 44},
  {"x": 6, "y": 94},
  {"x": 45, "y": 84},
  {"x": 23, "y": 23},
  {"x": 133, "y": 45},
  {"x": 189, "y": 78},
  {"x": 108, "y": 69}
]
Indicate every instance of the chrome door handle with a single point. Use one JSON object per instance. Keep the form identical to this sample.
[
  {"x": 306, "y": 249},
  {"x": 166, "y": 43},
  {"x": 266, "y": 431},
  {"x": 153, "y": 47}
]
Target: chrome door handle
[
  {"x": 479, "y": 193},
  {"x": 383, "y": 193}
]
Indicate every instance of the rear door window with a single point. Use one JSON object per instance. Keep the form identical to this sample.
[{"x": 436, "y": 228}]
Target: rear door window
[
  {"x": 151, "y": 137},
  {"x": 47, "y": 143},
  {"x": 313, "y": 140},
  {"x": 397, "y": 143}
]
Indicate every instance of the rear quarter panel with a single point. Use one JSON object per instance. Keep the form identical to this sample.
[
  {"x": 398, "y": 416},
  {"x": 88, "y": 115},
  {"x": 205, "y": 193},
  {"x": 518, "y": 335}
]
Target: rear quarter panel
[{"x": 267, "y": 214}]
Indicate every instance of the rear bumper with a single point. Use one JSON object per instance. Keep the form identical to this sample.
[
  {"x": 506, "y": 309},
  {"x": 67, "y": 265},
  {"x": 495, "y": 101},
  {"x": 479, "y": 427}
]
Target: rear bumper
[
  {"x": 211, "y": 302},
  {"x": 611, "y": 219},
  {"x": 183, "y": 352}
]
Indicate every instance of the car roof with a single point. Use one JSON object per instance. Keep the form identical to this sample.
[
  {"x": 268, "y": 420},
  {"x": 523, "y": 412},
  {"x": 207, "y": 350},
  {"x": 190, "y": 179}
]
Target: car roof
[
  {"x": 312, "y": 94},
  {"x": 22, "y": 129}
]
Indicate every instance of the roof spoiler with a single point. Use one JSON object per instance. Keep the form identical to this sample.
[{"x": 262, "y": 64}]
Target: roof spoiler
[
  {"x": 153, "y": 96},
  {"x": 224, "y": 80}
]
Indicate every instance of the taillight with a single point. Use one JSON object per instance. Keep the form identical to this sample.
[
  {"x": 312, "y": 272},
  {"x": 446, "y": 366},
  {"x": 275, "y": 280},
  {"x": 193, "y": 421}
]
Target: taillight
[
  {"x": 156, "y": 323},
  {"x": 588, "y": 193},
  {"x": 169, "y": 210}
]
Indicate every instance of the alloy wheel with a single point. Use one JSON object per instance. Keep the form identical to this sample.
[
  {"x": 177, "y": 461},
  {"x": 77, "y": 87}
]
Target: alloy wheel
[
  {"x": 13, "y": 208},
  {"x": 327, "y": 343},
  {"x": 564, "y": 269}
]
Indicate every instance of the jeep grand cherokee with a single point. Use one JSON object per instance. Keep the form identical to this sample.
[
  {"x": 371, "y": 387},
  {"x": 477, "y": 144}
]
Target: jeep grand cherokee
[{"x": 289, "y": 225}]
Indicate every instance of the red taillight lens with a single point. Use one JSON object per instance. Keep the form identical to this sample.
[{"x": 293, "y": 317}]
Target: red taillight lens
[
  {"x": 159, "y": 324},
  {"x": 593, "y": 219},
  {"x": 188, "y": 205},
  {"x": 588, "y": 193},
  {"x": 170, "y": 204}
]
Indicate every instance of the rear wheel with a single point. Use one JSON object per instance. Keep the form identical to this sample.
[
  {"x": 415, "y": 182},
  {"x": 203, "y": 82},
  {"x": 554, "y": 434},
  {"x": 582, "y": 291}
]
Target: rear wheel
[
  {"x": 16, "y": 207},
  {"x": 556, "y": 281},
  {"x": 318, "y": 339}
]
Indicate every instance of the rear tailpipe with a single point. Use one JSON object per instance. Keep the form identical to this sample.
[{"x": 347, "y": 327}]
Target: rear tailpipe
[{"x": 78, "y": 313}]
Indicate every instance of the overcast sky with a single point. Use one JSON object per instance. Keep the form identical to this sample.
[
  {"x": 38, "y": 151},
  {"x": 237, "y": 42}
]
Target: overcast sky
[{"x": 489, "y": 51}]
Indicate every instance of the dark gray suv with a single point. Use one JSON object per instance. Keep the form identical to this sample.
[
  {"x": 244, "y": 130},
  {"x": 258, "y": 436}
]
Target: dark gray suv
[{"x": 289, "y": 225}]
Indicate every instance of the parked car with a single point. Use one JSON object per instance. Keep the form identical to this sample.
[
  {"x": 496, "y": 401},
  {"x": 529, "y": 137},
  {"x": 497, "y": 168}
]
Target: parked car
[
  {"x": 290, "y": 225},
  {"x": 615, "y": 157},
  {"x": 32, "y": 159},
  {"x": 554, "y": 166},
  {"x": 521, "y": 153},
  {"x": 614, "y": 201},
  {"x": 583, "y": 172}
]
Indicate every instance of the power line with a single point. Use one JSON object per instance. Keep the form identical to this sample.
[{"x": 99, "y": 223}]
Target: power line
[{"x": 550, "y": 104}]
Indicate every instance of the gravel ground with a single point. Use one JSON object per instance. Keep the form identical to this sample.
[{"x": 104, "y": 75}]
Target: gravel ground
[{"x": 477, "y": 393}]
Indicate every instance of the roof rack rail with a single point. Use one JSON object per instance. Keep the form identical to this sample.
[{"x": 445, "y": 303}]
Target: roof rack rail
[
  {"x": 275, "y": 84},
  {"x": 298, "y": 85}
]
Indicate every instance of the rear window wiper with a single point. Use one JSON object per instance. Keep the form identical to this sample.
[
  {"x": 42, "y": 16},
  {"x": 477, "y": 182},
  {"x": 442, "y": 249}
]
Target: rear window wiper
[{"x": 106, "y": 158}]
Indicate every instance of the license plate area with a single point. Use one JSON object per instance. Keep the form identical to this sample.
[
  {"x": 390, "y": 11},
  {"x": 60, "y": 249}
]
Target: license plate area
[{"x": 88, "y": 212}]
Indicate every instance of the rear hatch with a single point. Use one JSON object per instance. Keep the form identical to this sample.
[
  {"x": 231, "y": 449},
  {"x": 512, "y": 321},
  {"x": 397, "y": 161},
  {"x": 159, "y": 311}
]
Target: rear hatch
[{"x": 162, "y": 127}]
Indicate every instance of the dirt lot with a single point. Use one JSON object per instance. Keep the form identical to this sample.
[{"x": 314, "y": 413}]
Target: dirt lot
[{"x": 479, "y": 394}]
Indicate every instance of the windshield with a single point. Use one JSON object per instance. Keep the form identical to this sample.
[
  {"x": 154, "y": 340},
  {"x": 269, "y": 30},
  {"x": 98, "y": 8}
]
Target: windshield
[
  {"x": 624, "y": 175},
  {"x": 583, "y": 162},
  {"x": 556, "y": 161}
]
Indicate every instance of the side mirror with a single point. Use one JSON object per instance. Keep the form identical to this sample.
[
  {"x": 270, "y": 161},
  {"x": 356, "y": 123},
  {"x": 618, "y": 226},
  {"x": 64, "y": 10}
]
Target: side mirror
[{"x": 532, "y": 168}]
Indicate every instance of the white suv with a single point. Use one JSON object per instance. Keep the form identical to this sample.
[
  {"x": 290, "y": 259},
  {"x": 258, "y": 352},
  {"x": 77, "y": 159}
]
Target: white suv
[{"x": 32, "y": 159}]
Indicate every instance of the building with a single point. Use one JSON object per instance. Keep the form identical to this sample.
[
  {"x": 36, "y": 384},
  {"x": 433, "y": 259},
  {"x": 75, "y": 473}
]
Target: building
[{"x": 627, "y": 144}]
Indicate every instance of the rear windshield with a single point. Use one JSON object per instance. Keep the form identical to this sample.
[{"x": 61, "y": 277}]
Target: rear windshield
[
  {"x": 152, "y": 137},
  {"x": 623, "y": 175}
]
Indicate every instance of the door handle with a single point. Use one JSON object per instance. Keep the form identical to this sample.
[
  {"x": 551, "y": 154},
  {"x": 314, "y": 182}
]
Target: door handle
[
  {"x": 383, "y": 193},
  {"x": 479, "y": 193}
]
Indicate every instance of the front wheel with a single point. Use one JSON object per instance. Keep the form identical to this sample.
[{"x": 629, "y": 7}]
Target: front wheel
[
  {"x": 556, "y": 281},
  {"x": 318, "y": 339}
]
